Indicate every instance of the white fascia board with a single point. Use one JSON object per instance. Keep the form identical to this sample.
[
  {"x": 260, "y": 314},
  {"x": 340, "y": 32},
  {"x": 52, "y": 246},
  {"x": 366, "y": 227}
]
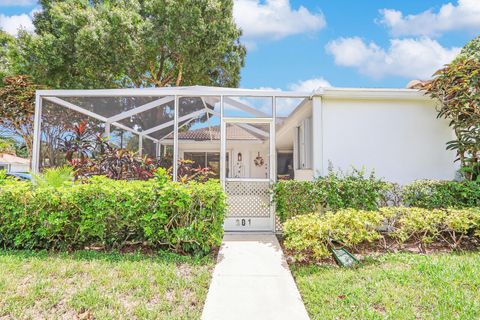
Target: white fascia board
[{"x": 372, "y": 93}]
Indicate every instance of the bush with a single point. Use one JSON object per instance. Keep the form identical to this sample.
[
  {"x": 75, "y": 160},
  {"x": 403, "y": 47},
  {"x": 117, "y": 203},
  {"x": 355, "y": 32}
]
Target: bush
[
  {"x": 333, "y": 192},
  {"x": 186, "y": 218},
  {"x": 308, "y": 236},
  {"x": 442, "y": 194}
]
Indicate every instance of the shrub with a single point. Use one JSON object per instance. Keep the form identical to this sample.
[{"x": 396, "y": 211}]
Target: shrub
[
  {"x": 422, "y": 226},
  {"x": 442, "y": 194},
  {"x": 305, "y": 235},
  {"x": 460, "y": 223},
  {"x": 293, "y": 198},
  {"x": 333, "y": 192},
  {"x": 308, "y": 236},
  {"x": 186, "y": 218}
]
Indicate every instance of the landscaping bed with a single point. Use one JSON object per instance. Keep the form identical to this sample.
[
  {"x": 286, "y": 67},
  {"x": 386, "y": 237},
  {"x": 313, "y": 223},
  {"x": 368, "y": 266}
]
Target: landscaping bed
[
  {"x": 394, "y": 286},
  {"x": 93, "y": 285}
]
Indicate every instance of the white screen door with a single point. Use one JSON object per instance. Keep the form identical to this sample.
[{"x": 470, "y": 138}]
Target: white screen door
[{"x": 250, "y": 174}]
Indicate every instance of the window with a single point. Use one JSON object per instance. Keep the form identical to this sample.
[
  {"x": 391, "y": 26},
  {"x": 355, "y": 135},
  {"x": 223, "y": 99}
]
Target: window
[
  {"x": 206, "y": 160},
  {"x": 285, "y": 165},
  {"x": 304, "y": 144},
  {"x": 4, "y": 167}
]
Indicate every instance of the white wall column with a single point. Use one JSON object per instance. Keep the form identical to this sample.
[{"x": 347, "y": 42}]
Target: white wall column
[{"x": 317, "y": 137}]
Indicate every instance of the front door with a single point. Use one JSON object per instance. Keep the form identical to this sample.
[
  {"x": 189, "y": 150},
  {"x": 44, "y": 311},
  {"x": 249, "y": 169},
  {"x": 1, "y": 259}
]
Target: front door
[{"x": 250, "y": 174}]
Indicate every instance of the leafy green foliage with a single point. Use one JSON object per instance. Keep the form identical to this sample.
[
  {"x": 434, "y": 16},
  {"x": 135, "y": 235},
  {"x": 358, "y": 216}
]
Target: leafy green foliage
[
  {"x": 132, "y": 43},
  {"x": 457, "y": 88},
  {"x": 54, "y": 177},
  {"x": 3, "y": 177},
  {"x": 308, "y": 236},
  {"x": 7, "y": 146},
  {"x": 6, "y": 43},
  {"x": 186, "y": 218},
  {"x": 442, "y": 194},
  {"x": 471, "y": 50},
  {"x": 333, "y": 192}
]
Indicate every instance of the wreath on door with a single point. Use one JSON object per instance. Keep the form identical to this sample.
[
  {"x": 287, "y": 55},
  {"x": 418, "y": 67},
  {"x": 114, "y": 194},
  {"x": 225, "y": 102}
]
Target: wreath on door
[{"x": 259, "y": 161}]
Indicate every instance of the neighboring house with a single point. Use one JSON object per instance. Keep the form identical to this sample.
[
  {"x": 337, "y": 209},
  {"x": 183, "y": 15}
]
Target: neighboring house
[
  {"x": 12, "y": 163},
  {"x": 252, "y": 138}
]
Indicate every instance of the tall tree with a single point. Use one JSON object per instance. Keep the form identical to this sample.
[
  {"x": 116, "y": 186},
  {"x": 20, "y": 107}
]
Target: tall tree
[
  {"x": 6, "y": 43},
  {"x": 17, "y": 107},
  {"x": 132, "y": 43}
]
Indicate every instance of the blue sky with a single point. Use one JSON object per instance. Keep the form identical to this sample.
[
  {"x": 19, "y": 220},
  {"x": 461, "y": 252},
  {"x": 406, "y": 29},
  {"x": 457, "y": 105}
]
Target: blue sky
[{"x": 301, "y": 44}]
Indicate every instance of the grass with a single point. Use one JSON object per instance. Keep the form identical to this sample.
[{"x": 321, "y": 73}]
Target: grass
[
  {"x": 92, "y": 285},
  {"x": 395, "y": 286}
]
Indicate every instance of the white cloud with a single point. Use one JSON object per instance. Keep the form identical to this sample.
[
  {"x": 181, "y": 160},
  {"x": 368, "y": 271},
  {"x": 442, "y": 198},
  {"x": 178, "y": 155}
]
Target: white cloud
[
  {"x": 464, "y": 15},
  {"x": 309, "y": 85},
  {"x": 274, "y": 19},
  {"x": 409, "y": 58},
  {"x": 17, "y": 3},
  {"x": 12, "y": 24}
]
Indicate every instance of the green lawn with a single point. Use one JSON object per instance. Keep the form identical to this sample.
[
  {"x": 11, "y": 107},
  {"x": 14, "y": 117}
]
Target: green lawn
[
  {"x": 90, "y": 285},
  {"x": 394, "y": 286}
]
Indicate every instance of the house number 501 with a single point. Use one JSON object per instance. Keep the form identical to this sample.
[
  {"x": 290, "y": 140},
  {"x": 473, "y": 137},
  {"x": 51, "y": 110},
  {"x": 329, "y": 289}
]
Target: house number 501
[{"x": 244, "y": 222}]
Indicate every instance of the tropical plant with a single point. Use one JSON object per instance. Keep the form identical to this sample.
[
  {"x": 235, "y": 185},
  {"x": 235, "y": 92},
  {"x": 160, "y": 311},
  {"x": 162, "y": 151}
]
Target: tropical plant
[
  {"x": 80, "y": 144},
  {"x": 132, "y": 43},
  {"x": 123, "y": 164},
  {"x": 189, "y": 171},
  {"x": 54, "y": 177},
  {"x": 457, "y": 88}
]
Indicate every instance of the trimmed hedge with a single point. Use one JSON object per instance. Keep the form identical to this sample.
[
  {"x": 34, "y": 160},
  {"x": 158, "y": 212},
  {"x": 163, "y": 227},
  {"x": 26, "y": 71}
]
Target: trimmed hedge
[
  {"x": 356, "y": 191},
  {"x": 308, "y": 236},
  {"x": 333, "y": 192},
  {"x": 442, "y": 194},
  {"x": 186, "y": 218}
]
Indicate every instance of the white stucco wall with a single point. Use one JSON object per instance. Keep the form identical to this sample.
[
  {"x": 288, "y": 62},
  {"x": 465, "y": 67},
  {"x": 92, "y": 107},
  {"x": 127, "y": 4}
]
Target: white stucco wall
[{"x": 400, "y": 138}]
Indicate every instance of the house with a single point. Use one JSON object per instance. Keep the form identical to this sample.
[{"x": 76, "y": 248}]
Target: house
[
  {"x": 12, "y": 163},
  {"x": 252, "y": 138}
]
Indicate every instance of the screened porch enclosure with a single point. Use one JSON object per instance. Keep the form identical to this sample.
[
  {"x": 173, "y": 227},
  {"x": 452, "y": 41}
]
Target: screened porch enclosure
[{"x": 230, "y": 131}]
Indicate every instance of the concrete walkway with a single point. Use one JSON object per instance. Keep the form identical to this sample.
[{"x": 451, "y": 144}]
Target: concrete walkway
[{"x": 252, "y": 281}]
